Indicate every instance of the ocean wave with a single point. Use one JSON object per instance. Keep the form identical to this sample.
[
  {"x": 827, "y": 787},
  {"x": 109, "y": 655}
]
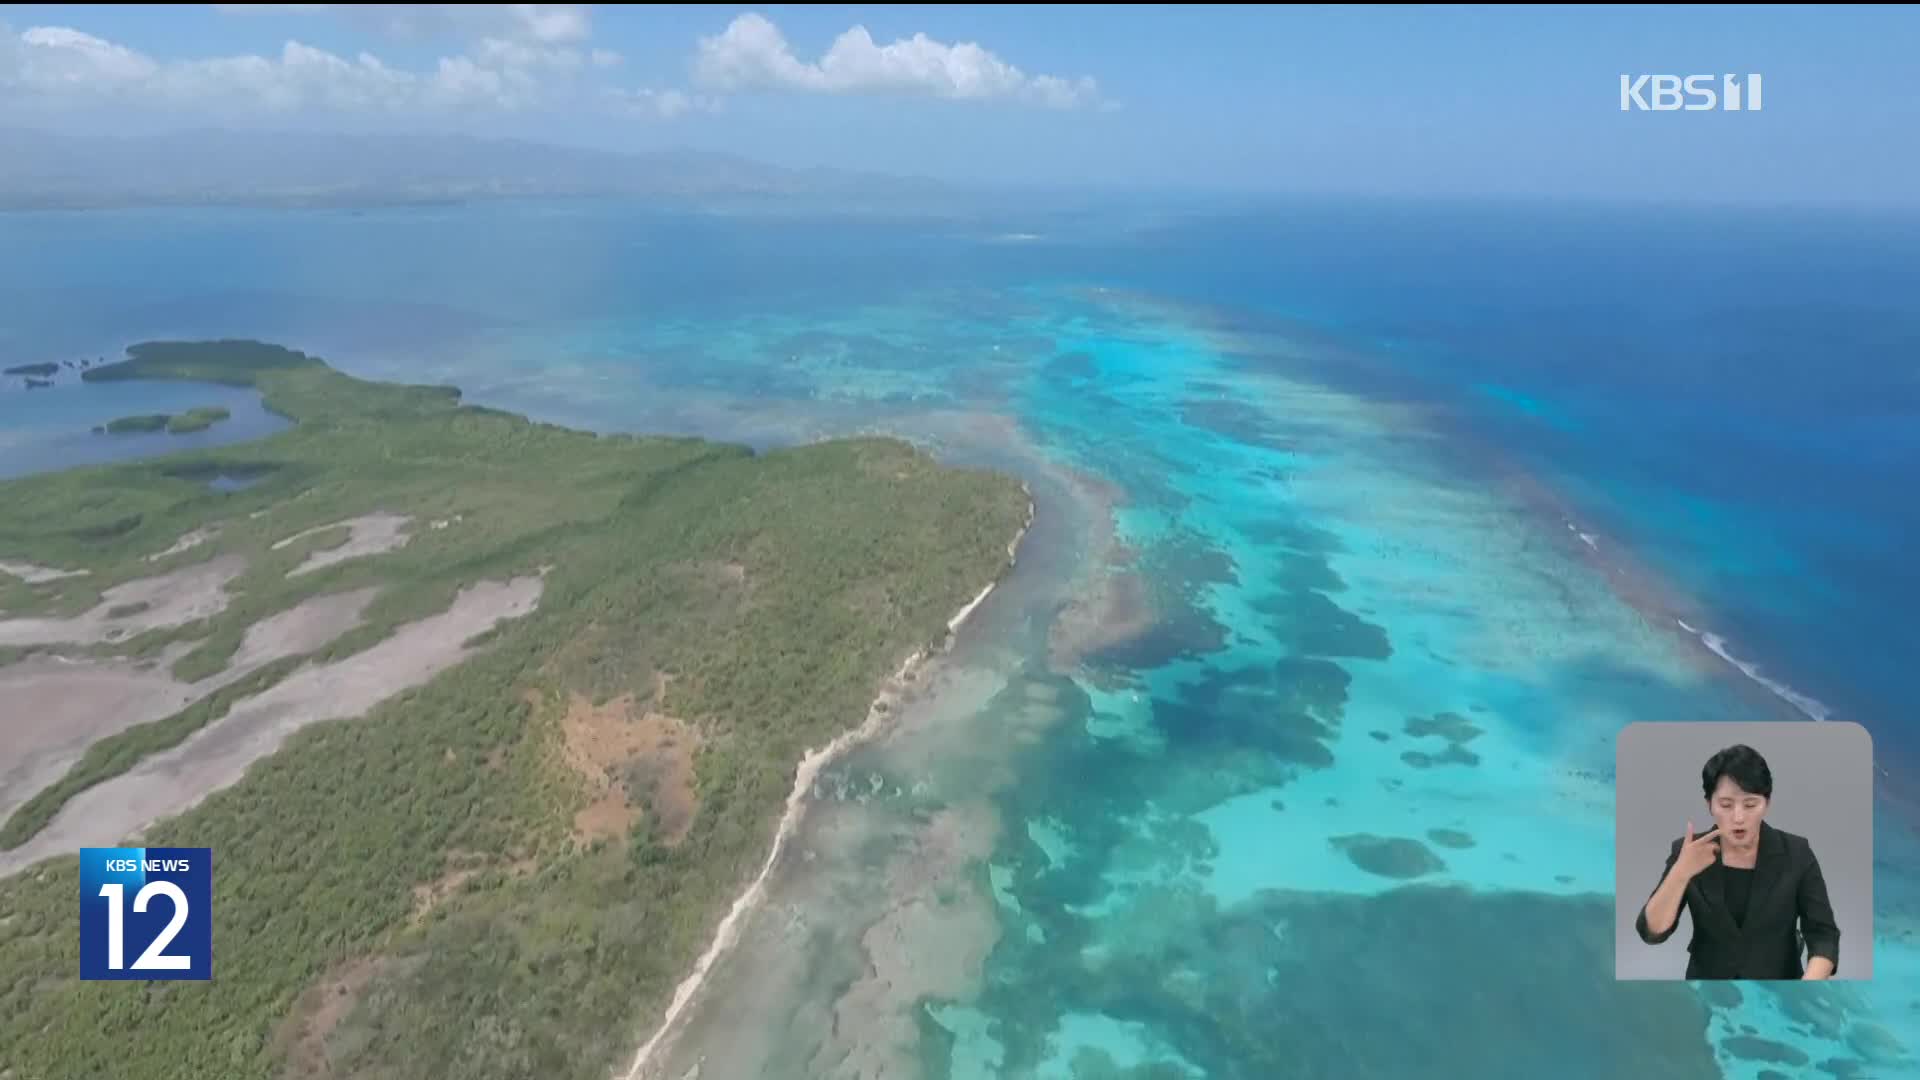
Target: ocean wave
[{"x": 1813, "y": 707}]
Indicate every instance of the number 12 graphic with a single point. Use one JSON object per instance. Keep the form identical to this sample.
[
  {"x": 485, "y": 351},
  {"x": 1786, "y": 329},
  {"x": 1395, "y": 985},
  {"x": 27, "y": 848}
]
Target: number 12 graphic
[
  {"x": 156, "y": 957},
  {"x": 168, "y": 924}
]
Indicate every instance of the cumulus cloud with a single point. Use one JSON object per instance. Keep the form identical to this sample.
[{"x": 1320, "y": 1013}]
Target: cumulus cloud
[
  {"x": 509, "y": 57},
  {"x": 553, "y": 24},
  {"x": 508, "y": 37},
  {"x": 752, "y": 54},
  {"x": 665, "y": 104},
  {"x": 61, "y": 59},
  {"x": 272, "y": 9},
  {"x": 57, "y": 67},
  {"x": 508, "y": 53},
  {"x": 300, "y": 76}
]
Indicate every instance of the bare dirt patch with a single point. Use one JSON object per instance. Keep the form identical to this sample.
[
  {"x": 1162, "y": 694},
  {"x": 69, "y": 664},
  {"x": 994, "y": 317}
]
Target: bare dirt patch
[
  {"x": 302, "y": 628},
  {"x": 187, "y": 542},
  {"x": 321, "y": 1009},
  {"x": 632, "y": 766},
  {"x": 368, "y": 534},
  {"x": 466, "y": 865},
  {"x": 36, "y": 575},
  {"x": 170, "y": 599},
  {"x": 429, "y": 895},
  {"x": 52, "y": 708},
  {"x": 218, "y": 754}
]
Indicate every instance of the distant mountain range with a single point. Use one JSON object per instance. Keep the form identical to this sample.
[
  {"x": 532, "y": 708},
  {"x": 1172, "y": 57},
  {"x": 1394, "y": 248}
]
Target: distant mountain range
[{"x": 41, "y": 169}]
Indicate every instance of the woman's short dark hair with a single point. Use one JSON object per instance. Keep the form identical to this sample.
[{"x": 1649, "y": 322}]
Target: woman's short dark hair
[{"x": 1741, "y": 764}]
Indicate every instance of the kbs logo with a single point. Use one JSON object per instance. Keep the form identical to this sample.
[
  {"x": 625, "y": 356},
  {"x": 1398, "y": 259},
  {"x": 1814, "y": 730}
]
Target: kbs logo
[
  {"x": 1693, "y": 93},
  {"x": 146, "y": 913}
]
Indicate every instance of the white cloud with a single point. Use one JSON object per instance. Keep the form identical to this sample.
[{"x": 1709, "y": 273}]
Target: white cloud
[
  {"x": 553, "y": 24},
  {"x": 459, "y": 82},
  {"x": 752, "y": 54},
  {"x": 302, "y": 76},
  {"x": 507, "y": 53},
  {"x": 511, "y": 57},
  {"x": 550, "y": 22},
  {"x": 272, "y": 9},
  {"x": 664, "y": 104},
  {"x": 54, "y": 67},
  {"x": 63, "y": 59}
]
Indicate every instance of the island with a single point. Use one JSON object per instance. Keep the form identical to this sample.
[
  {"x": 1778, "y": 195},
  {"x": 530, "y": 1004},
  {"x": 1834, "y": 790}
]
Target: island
[
  {"x": 41, "y": 370},
  {"x": 196, "y": 419},
  {"x": 136, "y": 425},
  {"x": 522, "y": 707}
]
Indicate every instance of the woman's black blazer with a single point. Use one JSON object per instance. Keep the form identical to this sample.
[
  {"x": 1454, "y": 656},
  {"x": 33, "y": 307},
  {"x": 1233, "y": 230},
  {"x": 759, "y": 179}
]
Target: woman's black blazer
[{"x": 1787, "y": 913}]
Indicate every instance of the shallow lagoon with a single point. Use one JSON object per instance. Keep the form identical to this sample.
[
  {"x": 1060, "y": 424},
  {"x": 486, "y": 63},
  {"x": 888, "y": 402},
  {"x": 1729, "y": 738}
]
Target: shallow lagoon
[{"x": 52, "y": 427}]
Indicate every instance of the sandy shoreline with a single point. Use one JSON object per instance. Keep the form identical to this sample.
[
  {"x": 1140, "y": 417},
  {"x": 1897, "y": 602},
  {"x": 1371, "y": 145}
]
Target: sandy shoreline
[{"x": 879, "y": 715}]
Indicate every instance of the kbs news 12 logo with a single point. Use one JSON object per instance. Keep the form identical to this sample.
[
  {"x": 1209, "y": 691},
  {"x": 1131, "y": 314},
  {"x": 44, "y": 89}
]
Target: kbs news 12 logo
[
  {"x": 1693, "y": 93},
  {"x": 146, "y": 913}
]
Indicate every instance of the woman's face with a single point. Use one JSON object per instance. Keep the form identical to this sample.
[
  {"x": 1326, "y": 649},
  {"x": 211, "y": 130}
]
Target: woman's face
[{"x": 1737, "y": 812}]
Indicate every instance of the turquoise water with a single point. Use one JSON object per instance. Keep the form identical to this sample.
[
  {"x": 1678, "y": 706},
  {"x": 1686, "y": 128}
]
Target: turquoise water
[{"x": 1287, "y": 750}]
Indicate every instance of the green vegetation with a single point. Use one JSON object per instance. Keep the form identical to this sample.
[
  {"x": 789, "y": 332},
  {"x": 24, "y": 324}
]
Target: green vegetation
[
  {"x": 760, "y": 598},
  {"x": 32, "y": 369},
  {"x": 199, "y": 419},
  {"x": 226, "y": 363},
  {"x": 137, "y": 424}
]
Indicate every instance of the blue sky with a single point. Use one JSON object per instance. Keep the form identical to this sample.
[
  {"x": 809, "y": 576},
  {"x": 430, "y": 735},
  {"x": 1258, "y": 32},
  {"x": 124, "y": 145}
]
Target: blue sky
[{"x": 1421, "y": 101}]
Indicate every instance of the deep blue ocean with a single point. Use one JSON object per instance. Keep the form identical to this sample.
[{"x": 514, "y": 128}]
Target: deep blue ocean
[
  {"x": 1318, "y": 481},
  {"x": 1733, "y": 395}
]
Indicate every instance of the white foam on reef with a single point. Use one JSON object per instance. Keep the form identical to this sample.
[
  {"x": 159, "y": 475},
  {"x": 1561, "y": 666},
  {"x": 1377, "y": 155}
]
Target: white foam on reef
[
  {"x": 1813, "y": 707},
  {"x": 1585, "y": 537}
]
